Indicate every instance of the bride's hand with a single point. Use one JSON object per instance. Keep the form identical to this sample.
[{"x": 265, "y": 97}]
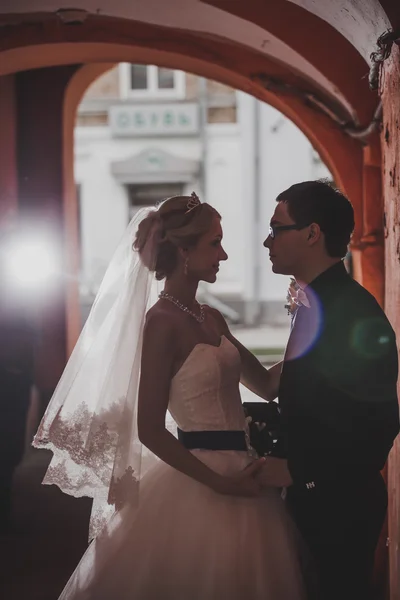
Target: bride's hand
[{"x": 243, "y": 483}]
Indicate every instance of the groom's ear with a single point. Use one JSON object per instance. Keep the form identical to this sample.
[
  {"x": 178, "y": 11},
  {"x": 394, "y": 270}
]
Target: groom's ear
[{"x": 314, "y": 232}]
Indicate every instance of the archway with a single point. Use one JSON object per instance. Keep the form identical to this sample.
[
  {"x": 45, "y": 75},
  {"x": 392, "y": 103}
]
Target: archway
[{"x": 230, "y": 58}]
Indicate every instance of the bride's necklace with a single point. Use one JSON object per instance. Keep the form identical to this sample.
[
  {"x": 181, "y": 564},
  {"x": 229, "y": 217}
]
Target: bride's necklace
[{"x": 199, "y": 318}]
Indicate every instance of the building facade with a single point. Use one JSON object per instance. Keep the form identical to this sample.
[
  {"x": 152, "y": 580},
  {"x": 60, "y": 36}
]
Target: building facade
[{"x": 144, "y": 133}]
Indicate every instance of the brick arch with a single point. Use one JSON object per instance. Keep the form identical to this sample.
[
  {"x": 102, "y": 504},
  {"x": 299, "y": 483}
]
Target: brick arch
[{"x": 106, "y": 39}]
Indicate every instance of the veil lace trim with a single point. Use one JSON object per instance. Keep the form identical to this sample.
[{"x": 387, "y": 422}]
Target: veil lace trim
[{"x": 90, "y": 422}]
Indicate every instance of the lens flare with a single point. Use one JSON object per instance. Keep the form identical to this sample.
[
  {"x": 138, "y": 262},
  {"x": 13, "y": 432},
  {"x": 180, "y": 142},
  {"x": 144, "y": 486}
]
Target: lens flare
[
  {"x": 29, "y": 264},
  {"x": 369, "y": 338},
  {"x": 307, "y": 324}
]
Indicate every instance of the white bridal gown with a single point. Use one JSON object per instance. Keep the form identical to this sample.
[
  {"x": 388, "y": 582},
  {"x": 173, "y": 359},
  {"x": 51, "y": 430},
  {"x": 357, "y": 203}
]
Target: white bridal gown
[{"x": 184, "y": 541}]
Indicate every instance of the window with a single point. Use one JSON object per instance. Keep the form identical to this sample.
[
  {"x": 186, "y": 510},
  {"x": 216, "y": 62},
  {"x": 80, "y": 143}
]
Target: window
[
  {"x": 150, "y": 194},
  {"x": 150, "y": 81},
  {"x": 138, "y": 79}
]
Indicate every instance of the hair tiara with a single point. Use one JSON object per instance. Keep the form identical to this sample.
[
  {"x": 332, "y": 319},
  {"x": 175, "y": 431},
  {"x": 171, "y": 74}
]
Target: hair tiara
[{"x": 192, "y": 203}]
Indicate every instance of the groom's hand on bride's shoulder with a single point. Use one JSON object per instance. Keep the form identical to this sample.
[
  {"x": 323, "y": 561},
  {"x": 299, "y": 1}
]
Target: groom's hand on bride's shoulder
[{"x": 274, "y": 473}]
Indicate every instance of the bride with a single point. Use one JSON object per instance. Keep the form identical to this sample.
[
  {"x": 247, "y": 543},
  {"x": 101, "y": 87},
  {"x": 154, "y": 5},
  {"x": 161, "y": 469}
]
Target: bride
[{"x": 172, "y": 519}]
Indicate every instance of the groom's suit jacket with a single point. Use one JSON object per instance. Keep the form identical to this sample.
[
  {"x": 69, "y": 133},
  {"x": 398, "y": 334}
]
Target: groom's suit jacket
[{"x": 338, "y": 397}]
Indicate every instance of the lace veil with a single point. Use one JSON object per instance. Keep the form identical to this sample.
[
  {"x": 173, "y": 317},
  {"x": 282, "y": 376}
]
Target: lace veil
[{"x": 90, "y": 424}]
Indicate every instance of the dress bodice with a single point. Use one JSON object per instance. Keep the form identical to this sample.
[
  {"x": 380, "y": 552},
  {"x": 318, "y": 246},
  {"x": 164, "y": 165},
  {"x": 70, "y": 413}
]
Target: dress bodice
[{"x": 204, "y": 394}]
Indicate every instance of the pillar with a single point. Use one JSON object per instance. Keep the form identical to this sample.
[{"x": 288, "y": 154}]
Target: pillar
[
  {"x": 8, "y": 167},
  {"x": 372, "y": 246},
  {"x": 390, "y": 139},
  {"x": 39, "y": 100}
]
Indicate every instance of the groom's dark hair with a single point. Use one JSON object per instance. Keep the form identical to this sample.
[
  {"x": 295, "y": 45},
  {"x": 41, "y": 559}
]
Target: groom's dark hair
[{"x": 320, "y": 202}]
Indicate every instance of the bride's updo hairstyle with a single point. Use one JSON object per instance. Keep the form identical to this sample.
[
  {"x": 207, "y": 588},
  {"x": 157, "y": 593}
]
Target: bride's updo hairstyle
[{"x": 179, "y": 222}]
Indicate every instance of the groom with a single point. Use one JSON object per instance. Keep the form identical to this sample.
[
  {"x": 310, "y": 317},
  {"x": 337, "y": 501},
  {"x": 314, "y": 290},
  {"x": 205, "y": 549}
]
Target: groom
[{"x": 337, "y": 394}]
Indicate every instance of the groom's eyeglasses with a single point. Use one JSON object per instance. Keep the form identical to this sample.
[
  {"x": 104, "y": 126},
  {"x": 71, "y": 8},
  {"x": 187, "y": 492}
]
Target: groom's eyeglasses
[{"x": 273, "y": 229}]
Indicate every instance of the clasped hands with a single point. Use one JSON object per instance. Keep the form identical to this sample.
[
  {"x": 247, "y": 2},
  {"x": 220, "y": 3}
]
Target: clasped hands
[
  {"x": 260, "y": 474},
  {"x": 274, "y": 472}
]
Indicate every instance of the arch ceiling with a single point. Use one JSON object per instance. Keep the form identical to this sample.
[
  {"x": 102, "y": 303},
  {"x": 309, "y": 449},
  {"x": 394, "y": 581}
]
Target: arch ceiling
[
  {"x": 315, "y": 51},
  {"x": 323, "y": 46}
]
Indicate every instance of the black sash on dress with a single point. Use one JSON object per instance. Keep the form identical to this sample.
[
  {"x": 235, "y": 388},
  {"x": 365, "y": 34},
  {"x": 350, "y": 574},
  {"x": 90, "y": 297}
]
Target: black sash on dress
[{"x": 213, "y": 440}]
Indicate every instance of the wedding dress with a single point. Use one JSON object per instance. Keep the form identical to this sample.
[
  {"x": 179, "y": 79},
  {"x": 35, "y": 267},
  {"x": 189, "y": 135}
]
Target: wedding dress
[{"x": 183, "y": 541}]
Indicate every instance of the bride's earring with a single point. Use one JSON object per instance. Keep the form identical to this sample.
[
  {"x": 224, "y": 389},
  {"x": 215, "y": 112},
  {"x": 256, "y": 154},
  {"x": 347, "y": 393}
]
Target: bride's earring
[{"x": 185, "y": 267}]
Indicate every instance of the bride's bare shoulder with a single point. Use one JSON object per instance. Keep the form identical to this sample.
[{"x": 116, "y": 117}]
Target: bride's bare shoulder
[
  {"x": 160, "y": 342},
  {"x": 161, "y": 320},
  {"x": 217, "y": 316},
  {"x": 159, "y": 311}
]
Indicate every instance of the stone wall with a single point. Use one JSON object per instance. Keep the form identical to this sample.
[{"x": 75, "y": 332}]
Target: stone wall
[{"x": 390, "y": 92}]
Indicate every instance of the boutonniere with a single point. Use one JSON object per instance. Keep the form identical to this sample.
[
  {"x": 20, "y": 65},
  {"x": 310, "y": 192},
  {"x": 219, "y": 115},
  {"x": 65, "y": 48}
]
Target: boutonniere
[{"x": 295, "y": 297}]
